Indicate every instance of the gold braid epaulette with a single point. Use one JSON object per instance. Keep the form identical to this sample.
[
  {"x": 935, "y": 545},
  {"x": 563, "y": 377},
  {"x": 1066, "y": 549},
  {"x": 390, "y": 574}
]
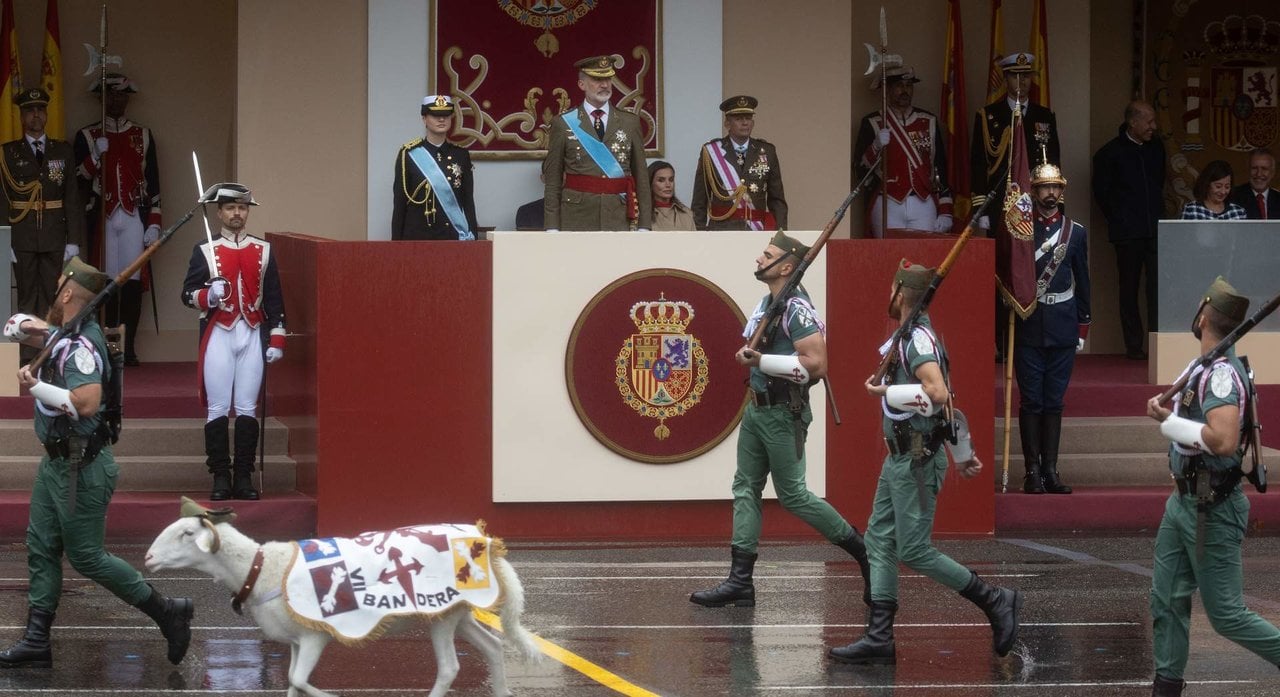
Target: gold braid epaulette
[
  {"x": 33, "y": 191},
  {"x": 995, "y": 157},
  {"x": 428, "y": 210},
  {"x": 717, "y": 191}
]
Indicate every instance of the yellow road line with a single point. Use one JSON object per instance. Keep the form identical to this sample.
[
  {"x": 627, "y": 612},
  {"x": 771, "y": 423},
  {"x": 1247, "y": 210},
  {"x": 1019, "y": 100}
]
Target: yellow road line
[{"x": 574, "y": 661}]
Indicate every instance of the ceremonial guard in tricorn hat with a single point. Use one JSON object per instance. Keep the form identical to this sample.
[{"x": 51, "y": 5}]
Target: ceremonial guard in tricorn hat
[
  {"x": 915, "y": 400},
  {"x": 43, "y": 204},
  {"x": 738, "y": 185},
  {"x": 771, "y": 437},
  {"x": 77, "y": 475},
  {"x": 1211, "y": 427},
  {"x": 233, "y": 282},
  {"x": 433, "y": 195},
  {"x": 594, "y": 172},
  {"x": 119, "y": 168},
  {"x": 1048, "y": 339}
]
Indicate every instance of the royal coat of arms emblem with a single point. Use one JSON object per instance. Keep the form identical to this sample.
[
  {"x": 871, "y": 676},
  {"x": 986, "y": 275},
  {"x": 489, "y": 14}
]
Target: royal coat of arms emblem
[{"x": 662, "y": 370}]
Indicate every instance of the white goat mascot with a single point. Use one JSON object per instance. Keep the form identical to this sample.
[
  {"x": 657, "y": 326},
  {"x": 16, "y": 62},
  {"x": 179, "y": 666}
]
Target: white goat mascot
[{"x": 206, "y": 541}]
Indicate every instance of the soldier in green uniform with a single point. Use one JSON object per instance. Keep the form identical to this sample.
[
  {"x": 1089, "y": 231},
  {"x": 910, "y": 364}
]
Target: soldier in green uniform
[
  {"x": 901, "y": 522},
  {"x": 76, "y": 478},
  {"x": 738, "y": 185},
  {"x": 1198, "y": 544},
  {"x": 772, "y": 434}
]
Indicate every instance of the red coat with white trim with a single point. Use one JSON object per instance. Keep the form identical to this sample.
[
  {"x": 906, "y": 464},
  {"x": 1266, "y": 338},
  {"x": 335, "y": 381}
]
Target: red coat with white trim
[
  {"x": 255, "y": 295},
  {"x": 916, "y": 156},
  {"x": 132, "y": 174}
]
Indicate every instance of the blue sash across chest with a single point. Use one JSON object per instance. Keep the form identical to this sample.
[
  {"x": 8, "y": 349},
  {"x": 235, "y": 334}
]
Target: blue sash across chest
[
  {"x": 597, "y": 150},
  {"x": 443, "y": 190}
]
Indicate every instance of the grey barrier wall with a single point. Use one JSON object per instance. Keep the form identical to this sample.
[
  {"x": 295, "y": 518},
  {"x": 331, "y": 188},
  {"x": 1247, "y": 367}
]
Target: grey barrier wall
[{"x": 1194, "y": 252}]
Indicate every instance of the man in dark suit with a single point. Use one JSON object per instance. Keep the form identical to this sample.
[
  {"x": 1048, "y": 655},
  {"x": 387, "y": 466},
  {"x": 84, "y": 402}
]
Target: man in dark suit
[
  {"x": 44, "y": 206},
  {"x": 738, "y": 185},
  {"x": 1256, "y": 197}
]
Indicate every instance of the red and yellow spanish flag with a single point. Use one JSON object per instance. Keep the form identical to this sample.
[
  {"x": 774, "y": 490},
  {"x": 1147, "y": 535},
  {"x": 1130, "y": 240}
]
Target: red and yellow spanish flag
[
  {"x": 954, "y": 112},
  {"x": 51, "y": 73},
  {"x": 1039, "y": 46},
  {"x": 11, "y": 73},
  {"x": 1015, "y": 231},
  {"x": 995, "y": 76}
]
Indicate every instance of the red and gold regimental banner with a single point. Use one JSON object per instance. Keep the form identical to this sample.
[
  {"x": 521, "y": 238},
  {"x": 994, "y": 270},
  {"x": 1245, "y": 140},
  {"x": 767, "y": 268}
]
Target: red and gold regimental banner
[{"x": 509, "y": 65}]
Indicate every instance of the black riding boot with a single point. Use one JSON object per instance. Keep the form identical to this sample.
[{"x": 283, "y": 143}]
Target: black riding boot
[
  {"x": 1001, "y": 606},
  {"x": 246, "y": 449},
  {"x": 1049, "y": 438},
  {"x": 1166, "y": 687},
  {"x": 737, "y": 590},
  {"x": 857, "y": 548},
  {"x": 126, "y": 308},
  {"x": 876, "y": 645},
  {"x": 34, "y": 649},
  {"x": 173, "y": 617},
  {"x": 218, "y": 457},
  {"x": 1029, "y": 432}
]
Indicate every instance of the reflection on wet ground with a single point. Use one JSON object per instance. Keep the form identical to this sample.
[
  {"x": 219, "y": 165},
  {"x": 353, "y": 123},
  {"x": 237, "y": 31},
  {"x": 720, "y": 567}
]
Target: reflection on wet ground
[{"x": 620, "y": 615}]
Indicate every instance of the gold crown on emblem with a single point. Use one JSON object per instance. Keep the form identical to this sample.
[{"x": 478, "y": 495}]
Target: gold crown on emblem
[{"x": 662, "y": 315}]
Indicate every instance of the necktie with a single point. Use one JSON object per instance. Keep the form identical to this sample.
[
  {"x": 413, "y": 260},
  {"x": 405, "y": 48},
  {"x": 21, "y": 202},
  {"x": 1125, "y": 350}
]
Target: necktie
[
  {"x": 598, "y": 115},
  {"x": 1262, "y": 206},
  {"x": 39, "y": 146}
]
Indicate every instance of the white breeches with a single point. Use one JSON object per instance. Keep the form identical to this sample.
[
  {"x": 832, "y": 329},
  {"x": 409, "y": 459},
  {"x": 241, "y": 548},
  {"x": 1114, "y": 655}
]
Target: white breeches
[
  {"x": 122, "y": 242},
  {"x": 233, "y": 370},
  {"x": 912, "y": 214}
]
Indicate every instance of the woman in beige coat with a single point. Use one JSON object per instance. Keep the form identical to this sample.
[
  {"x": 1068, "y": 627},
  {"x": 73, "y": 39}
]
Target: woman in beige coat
[{"x": 668, "y": 212}]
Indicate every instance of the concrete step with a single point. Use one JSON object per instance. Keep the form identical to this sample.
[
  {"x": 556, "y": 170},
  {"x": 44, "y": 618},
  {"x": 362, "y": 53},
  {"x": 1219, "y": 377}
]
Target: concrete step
[
  {"x": 1114, "y": 470},
  {"x": 1127, "y": 510},
  {"x": 143, "y": 437},
  {"x": 186, "y": 473},
  {"x": 1097, "y": 434}
]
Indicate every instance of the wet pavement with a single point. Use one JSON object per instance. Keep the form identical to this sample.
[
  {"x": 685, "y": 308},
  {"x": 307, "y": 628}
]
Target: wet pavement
[{"x": 619, "y": 622}]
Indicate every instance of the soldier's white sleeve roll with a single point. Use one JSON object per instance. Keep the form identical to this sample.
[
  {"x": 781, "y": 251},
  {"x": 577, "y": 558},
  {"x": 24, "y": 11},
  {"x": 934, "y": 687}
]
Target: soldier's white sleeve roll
[
  {"x": 785, "y": 367},
  {"x": 55, "y": 397},
  {"x": 13, "y": 327},
  {"x": 909, "y": 398},
  {"x": 1184, "y": 432}
]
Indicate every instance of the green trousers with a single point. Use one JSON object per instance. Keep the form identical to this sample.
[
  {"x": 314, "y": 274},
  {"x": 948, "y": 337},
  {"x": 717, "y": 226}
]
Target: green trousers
[
  {"x": 767, "y": 447},
  {"x": 1219, "y": 576},
  {"x": 899, "y": 530},
  {"x": 51, "y": 532}
]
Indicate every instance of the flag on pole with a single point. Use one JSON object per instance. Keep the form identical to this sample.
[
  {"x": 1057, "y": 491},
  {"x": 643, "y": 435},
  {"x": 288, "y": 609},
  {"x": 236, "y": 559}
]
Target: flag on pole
[
  {"x": 954, "y": 112},
  {"x": 11, "y": 73},
  {"x": 995, "y": 77},
  {"x": 51, "y": 73},
  {"x": 1039, "y": 46},
  {"x": 1015, "y": 236}
]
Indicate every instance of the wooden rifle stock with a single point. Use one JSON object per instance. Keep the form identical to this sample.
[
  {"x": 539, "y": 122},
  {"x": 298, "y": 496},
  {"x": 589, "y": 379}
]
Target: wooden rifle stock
[
  {"x": 119, "y": 280},
  {"x": 1219, "y": 350}
]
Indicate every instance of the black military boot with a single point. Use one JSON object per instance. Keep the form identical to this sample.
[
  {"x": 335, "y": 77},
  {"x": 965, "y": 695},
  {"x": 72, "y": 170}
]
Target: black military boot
[
  {"x": 857, "y": 548},
  {"x": 876, "y": 645},
  {"x": 737, "y": 590},
  {"x": 126, "y": 309},
  {"x": 218, "y": 457},
  {"x": 1049, "y": 437},
  {"x": 34, "y": 649},
  {"x": 173, "y": 617},
  {"x": 1029, "y": 432},
  {"x": 1001, "y": 606},
  {"x": 246, "y": 449},
  {"x": 1167, "y": 687}
]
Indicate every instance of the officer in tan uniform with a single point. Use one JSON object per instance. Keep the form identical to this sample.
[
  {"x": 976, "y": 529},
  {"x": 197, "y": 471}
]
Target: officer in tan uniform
[
  {"x": 738, "y": 185},
  {"x": 595, "y": 169}
]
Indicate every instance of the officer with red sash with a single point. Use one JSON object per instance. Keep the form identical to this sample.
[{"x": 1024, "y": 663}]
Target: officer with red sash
[
  {"x": 738, "y": 185},
  {"x": 234, "y": 284}
]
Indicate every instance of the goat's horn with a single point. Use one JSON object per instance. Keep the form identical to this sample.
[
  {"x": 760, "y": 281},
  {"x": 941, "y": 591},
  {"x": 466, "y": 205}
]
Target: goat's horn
[{"x": 217, "y": 539}]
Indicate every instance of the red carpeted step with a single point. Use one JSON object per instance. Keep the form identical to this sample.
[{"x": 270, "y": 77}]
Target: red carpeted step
[
  {"x": 140, "y": 516},
  {"x": 1110, "y": 509},
  {"x": 151, "y": 390}
]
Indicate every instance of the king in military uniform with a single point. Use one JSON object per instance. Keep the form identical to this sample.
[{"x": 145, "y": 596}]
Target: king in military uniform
[
  {"x": 432, "y": 195},
  {"x": 43, "y": 203},
  {"x": 594, "y": 173},
  {"x": 738, "y": 185},
  {"x": 1050, "y": 336},
  {"x": 1211, "y": 428}
]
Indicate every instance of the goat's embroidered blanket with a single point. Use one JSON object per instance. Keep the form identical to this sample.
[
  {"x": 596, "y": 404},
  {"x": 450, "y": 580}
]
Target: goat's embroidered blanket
[{"x": 351, "y": 587}]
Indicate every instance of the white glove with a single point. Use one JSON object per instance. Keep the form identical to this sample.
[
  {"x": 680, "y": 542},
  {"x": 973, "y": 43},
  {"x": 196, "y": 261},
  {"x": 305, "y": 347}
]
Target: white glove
[
  {"x": 984, "y": 222},
  {"x": 150, "y": 235},
  {"x": 218, "y": 290},
  {"x": 13, "y": 258},
  {"x": 1079, "y": 345},
  {"x": 101, "y": 144},
  {"x": 71, "y": 251},
  {"x": 13, "y": 328},
  {"x": 274, "y": 354},
  {"x": 883, "y": 139},
  {"x": 943, "y": 223}
]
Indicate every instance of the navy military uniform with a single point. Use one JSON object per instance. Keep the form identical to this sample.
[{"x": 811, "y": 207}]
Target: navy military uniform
[
  {"x": 416, "y": 212},
  {"x": 1048, "y": 339},
  {"x": 990, "y": 145},
  {"x": 1198, "y": 542}
]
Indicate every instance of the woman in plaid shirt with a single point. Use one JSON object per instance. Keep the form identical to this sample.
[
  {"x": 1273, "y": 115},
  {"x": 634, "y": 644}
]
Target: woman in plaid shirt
[{"x": 1211, "y": 190}]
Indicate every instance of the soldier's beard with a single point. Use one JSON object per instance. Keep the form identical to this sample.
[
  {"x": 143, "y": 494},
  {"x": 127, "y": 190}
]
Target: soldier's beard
[{"x": 54, "y": 316}]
